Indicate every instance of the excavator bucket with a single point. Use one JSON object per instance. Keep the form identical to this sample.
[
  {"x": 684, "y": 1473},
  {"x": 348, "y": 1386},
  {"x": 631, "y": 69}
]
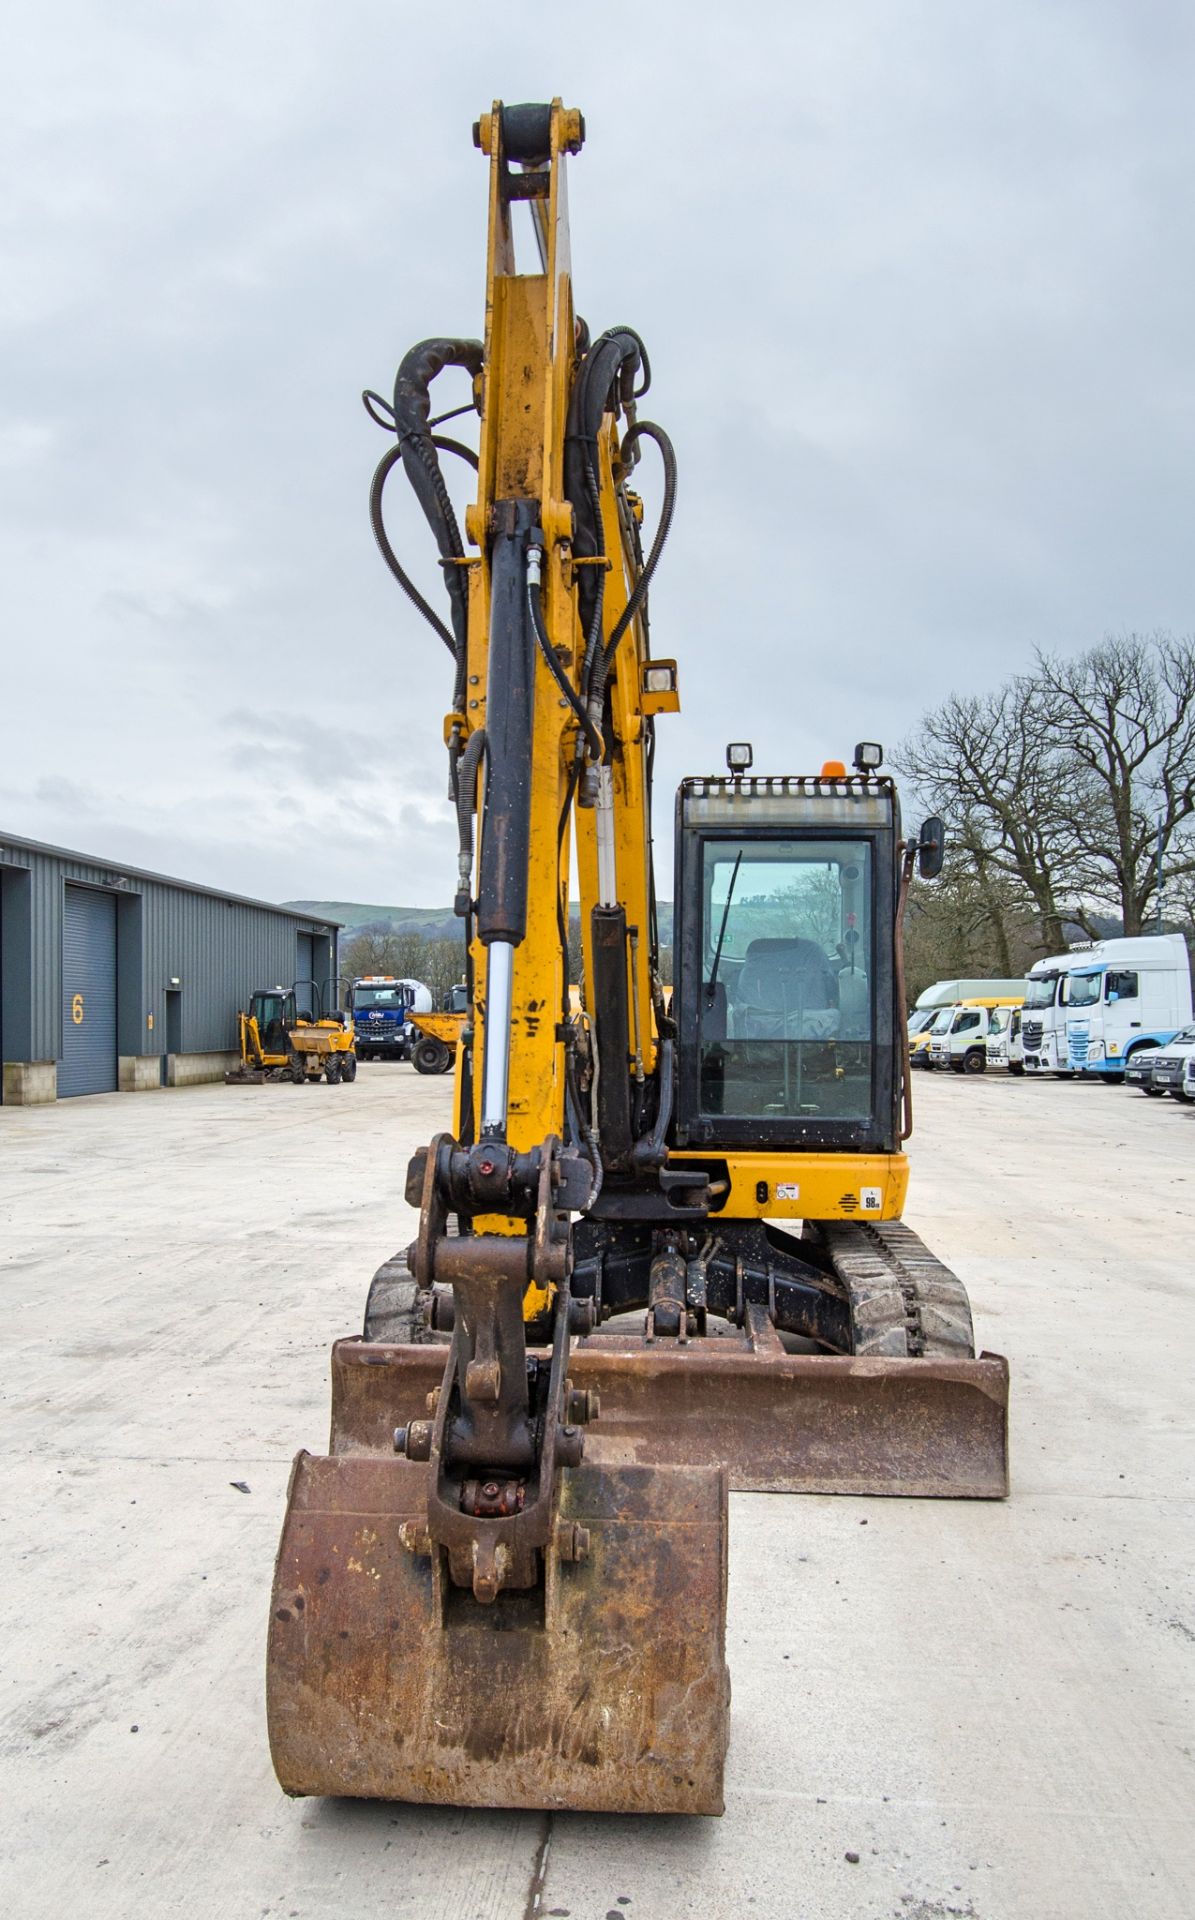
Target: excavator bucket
[{"x": 603, "y": 1689}]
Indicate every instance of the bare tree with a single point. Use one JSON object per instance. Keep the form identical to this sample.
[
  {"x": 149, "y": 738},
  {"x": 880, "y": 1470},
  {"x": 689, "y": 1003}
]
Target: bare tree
[
  {"x": 968, "y": 924},
  {"x": 1057, "y": 784},
  {"x": 1121, "y": 722},
  {"x": 368, "y": 950},
  {"x": 984, "y": 763}
]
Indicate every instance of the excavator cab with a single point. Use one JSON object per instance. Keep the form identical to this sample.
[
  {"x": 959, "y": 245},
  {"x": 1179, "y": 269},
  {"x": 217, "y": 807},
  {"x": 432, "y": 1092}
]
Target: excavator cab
[
  {"x": 785, "y": 1001},
  {"x": 276, "y": 1015}
]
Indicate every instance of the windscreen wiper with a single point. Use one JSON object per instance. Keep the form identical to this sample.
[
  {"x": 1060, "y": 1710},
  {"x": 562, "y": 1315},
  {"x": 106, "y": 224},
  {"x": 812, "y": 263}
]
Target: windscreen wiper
[{"x": 712, "y": 982}]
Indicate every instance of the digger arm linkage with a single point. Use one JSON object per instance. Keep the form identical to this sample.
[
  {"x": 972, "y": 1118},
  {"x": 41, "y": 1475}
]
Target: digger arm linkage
[{"x": 550, "y": 722}]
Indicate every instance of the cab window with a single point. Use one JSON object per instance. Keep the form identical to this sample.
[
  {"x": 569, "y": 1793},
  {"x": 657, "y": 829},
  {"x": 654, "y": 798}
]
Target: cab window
[
  {"x": 1122, "y": 986},
  {"x": 786, "y": 987}
]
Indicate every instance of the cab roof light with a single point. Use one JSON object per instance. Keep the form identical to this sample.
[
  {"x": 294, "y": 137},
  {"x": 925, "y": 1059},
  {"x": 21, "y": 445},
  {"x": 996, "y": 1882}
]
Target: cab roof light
[
  {"x": 739, "y": 757},
  {"x": 833, "y": 770},
  {"x": 869, "y": 756}
]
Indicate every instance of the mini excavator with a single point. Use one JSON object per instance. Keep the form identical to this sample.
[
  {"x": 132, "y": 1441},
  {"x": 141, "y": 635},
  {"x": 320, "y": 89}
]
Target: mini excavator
[{"x": 660, "y": 1253}]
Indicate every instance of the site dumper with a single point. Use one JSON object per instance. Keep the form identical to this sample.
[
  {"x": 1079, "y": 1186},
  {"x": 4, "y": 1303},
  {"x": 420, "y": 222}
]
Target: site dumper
[{"x": 660, "y": 1249}]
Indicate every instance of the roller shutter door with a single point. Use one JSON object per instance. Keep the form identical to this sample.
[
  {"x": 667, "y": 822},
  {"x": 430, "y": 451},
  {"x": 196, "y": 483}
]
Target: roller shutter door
[
  {"x": 305, "y": 973},
  {"x": 88, "y": 1063}
]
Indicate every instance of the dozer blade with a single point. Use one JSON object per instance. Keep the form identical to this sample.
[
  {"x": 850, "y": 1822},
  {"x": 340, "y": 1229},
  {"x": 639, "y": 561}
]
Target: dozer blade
[
  {"x": 780, "y": 1422},
  {"x": 606, "y": 1689}
]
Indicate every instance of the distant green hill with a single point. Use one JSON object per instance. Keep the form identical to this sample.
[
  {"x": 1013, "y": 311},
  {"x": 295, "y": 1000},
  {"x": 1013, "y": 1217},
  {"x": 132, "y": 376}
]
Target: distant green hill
[{"x": 434, "y": 923}]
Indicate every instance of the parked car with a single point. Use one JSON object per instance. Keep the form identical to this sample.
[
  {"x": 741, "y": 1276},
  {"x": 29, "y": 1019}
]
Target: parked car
[
  {"x": 1189, "y": 1078},
  {"x": 1167, "y": 1065}
]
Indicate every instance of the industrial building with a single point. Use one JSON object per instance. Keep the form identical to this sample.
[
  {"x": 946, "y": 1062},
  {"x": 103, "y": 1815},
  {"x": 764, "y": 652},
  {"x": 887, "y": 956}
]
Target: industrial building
[{"x": 116, "y": 979}]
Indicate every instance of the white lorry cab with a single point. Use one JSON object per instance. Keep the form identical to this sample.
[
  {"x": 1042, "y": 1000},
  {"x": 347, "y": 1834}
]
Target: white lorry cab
[
  {"x": 1126, "y": 995},
  {"x": 959, "y": 1036},
  {"x": 1004, "y": 1047},
  {"x": 1091, "y": 1009},
  {"x": 933, "y": 1015},
  {"x": 1043, "y": 1017}
]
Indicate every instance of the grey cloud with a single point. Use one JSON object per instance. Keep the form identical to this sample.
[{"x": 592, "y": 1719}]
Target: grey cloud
[{"x": 918, "y": 287}]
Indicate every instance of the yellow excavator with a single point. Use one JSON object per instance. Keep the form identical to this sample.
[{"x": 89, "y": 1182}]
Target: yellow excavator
[{"x": 660, "y": 1251}]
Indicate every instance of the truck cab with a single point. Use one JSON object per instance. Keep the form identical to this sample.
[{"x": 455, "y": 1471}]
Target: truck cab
[
  {"x": 381, "y": 1003},
  {"x": 1043, "y": 1018},
  {"x": 1125, "y": 996},
  {"x": 960, "y": 1041},
  {"x": 1004, "y": 1045}
]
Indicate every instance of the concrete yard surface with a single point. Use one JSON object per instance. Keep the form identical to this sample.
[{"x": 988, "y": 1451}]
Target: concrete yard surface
[{"x": 938, "y": 1708}]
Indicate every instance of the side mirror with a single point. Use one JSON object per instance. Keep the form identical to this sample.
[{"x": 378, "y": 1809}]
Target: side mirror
[{"x": 931, "y": 847}]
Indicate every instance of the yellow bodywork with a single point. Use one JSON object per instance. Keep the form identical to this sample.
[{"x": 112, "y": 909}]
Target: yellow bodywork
[
  {"x": 315, "y": 1040},
  {"x": 439, "y": 1026},
  {"x": 807, "y": 1186}
]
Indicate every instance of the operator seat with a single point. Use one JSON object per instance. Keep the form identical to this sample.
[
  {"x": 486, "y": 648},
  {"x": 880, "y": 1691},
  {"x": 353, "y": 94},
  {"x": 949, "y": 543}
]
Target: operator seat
[{"x": 787, "y": 990}]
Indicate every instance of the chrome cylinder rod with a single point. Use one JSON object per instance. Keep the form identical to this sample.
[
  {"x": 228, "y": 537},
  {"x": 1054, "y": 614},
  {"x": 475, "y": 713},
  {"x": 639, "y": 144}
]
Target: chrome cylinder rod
[
  {"x": 499, "y": 993},
  {"x": 603, "y": 820}
]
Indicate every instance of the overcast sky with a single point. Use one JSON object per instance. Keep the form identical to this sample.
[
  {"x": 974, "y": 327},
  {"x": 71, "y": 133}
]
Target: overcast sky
[{"x": 917, "y": 285}]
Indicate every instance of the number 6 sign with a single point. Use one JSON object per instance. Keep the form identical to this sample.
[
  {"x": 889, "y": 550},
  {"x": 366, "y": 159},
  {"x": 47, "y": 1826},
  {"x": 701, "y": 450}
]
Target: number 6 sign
[{"x": 77, "y": 1009}]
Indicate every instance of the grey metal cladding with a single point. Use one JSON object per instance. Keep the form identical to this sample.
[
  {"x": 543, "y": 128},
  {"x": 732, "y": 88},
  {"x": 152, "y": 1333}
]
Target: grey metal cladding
[{"x": 219, "y": 947}]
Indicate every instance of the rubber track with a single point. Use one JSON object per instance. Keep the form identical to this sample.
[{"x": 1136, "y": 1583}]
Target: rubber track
[
  {"x": 904, "y": 1300},
  {"x": 397, "y": 1309}
]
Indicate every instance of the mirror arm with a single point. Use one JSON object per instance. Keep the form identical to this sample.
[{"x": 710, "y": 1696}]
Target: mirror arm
[{"x": 911, "y": 851}]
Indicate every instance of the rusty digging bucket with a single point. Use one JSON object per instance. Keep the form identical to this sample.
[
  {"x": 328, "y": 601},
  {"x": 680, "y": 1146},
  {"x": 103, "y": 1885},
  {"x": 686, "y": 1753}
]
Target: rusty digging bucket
[{"x": 605, "y": 1689}]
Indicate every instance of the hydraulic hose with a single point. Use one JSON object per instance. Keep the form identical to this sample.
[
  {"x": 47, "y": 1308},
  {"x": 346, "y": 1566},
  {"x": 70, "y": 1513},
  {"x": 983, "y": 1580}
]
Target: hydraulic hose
[
  {"x": 410, "y": 418},
  {"x": 384, "y": 469},
  {"x": 647, "y": 429},
  {"x": 611, "y": 362},
  {"x": 550, "y": 659},
  {"x": 651, "y": 1151},
  {"x": 466, "y": 791}
]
